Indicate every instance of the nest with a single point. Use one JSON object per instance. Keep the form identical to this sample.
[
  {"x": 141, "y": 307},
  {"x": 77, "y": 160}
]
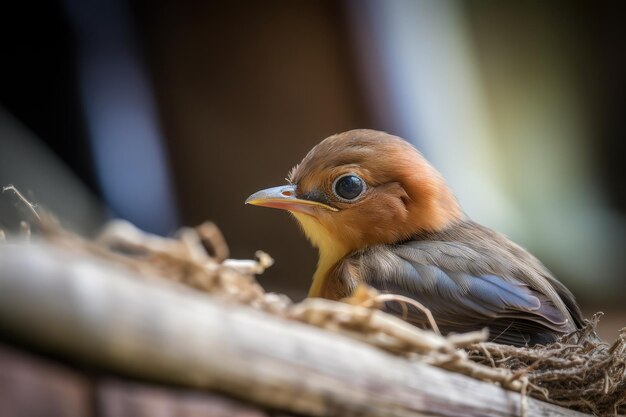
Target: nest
[{"x": 578, "y": 371}]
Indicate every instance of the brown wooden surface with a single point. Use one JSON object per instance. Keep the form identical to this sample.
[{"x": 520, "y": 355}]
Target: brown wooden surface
[
  {"x": 119, "y": 398},
  {"x": 31, "y": 387}
]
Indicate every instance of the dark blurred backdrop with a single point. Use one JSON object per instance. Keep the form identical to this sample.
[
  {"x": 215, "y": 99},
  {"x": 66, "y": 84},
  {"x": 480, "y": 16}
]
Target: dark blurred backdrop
[{"x": 170, "y": 113}]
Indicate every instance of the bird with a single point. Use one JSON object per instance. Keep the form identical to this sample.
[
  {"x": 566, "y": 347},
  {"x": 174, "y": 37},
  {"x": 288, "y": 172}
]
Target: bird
[{"x": 380, "y": 214}]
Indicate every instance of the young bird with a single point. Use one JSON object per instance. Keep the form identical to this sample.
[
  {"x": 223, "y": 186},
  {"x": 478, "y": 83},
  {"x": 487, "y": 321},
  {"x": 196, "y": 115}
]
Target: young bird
[{"x": 380, "y": 214}]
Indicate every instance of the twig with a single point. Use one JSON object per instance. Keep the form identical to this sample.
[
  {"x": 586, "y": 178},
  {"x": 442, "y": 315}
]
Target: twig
[
  {"x": 406, "y": 300},
  {"x": 23, "y": 199}
]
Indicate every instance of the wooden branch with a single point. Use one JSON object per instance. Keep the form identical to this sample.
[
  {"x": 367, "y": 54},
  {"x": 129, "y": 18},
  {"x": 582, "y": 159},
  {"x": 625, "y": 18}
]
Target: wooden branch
[{"x": 98, "y": 312}]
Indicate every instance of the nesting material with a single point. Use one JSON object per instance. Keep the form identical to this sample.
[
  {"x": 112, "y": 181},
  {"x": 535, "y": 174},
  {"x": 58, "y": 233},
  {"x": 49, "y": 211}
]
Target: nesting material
[{"x": 579, "y": 371}]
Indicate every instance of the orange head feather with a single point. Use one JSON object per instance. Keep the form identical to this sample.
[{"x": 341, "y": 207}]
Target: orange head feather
[
  {"x": 390, "y": 193},
  {"x": 403, "y": 193}
]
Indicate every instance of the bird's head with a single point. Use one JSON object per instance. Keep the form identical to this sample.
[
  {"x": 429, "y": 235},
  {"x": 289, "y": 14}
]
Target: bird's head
[{"x": 361, "y": 188}]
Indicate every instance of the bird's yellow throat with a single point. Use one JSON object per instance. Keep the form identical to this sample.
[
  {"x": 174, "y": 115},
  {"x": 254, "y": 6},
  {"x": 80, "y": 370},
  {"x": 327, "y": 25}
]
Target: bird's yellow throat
[{"x": 330, "y": 249}]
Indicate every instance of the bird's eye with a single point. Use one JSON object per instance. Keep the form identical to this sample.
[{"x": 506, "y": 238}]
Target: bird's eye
[{"x": 349, "y": 187}]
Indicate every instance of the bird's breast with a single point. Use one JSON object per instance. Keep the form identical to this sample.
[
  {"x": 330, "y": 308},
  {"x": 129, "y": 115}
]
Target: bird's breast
[{"x": 331, "y": 250}]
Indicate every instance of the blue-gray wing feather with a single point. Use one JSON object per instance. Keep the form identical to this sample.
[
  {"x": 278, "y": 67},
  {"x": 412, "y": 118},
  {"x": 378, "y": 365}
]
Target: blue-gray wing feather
[{"x": 464, "y": 289}]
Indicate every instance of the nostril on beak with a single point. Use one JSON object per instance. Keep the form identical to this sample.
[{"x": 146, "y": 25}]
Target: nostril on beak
[{"x": 287, "y": 193}]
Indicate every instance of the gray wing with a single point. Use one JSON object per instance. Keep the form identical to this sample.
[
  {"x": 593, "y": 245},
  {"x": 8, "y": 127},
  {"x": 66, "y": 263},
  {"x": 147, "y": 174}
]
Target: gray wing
[{"x": 465, "y": 290}]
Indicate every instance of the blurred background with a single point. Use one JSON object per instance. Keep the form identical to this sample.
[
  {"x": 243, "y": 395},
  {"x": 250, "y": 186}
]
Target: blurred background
[{"x": 171, "y": 113}]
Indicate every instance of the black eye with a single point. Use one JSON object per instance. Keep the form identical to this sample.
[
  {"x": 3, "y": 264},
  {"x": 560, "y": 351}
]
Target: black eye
[{"x": 349, "y": 187}]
